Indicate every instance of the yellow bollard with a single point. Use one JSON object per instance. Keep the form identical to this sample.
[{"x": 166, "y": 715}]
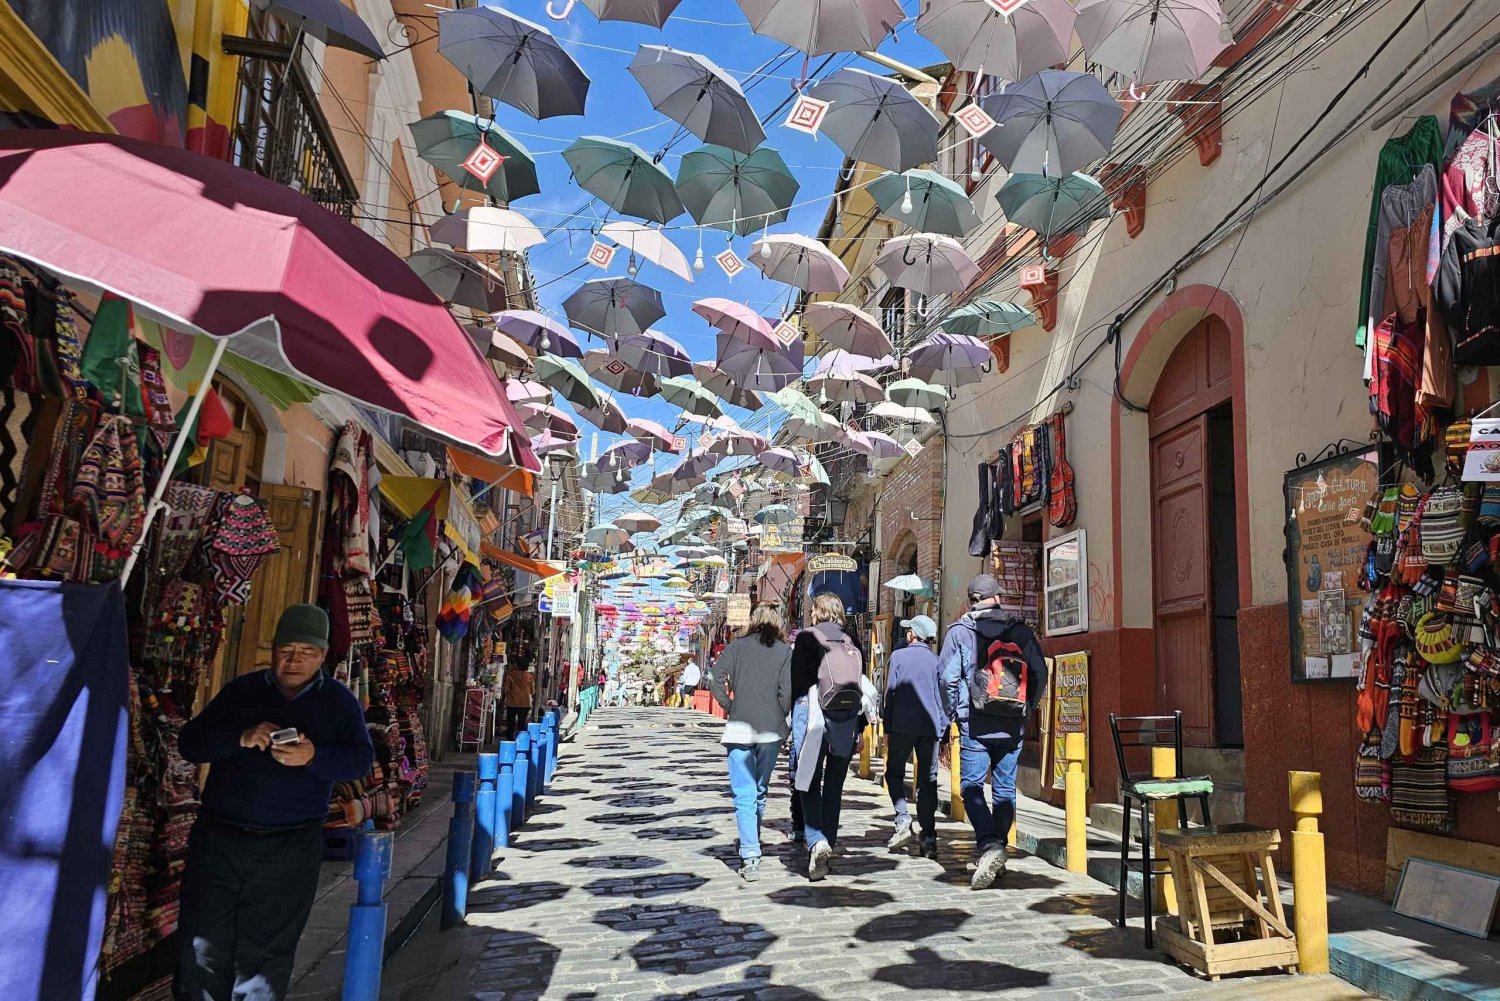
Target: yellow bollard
[
  {"x": 1163, "y": 818},
  {"x": 864, "y": 752},
  {"x": 955, "y": 785},
  {"x": 1076, "y": 801},
  {"x": 1309, "y": 878}
]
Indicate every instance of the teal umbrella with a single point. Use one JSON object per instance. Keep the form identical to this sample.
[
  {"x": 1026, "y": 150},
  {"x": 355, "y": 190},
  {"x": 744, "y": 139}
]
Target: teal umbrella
[
  {"x": 734, "y": 191},
  {"x": 690, "y": 395},
  {"x": 448, "y": 138},
  {"x": 988, "y": 318},
  {"x": 623, "y": 176},
  {"x": 917, "y": 393},
  {"x": 568, "y": 378},
  {"x": 926, "y": 201},
  {"x": 1052, "y": 206}
]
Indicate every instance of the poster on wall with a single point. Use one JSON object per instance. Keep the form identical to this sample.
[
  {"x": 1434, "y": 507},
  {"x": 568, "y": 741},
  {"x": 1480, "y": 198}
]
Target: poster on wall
[
  {"x": 1325, "y": 558},
  {"x": 737, "y": 613},
  {"x": 1070, "y": 708},
  {"x": 1065, "y": 585},
  {"x": 1017, "y": 568}
]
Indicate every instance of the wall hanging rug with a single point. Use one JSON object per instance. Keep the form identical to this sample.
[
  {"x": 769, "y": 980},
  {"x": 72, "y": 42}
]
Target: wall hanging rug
[
  {"x": 19, "y": 415},
  {"x": 62, "y": 779},
  {"x": 1419, "y": 792}
]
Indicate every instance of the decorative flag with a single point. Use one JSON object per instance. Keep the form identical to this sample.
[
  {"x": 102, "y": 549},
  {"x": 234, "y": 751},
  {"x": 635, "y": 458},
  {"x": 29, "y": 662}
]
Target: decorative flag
[
  {"x": 808, "y": 113},
  {"x": 483, "y": 162},
  {"x": 418, "y": 540}
]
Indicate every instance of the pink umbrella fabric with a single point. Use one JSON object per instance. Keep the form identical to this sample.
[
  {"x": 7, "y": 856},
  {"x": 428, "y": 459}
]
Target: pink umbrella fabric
[
  {"x": 653, "y": 434},
  {"x": 547, "y": 442},
  {"x": 975, "y": 36},
  {"x": 738, "y": 321},
  {"x": 944, "y": 352},
  {"x": 520, "y": 391},
  {"x": 882, "y": 445},
  {"x": 207, "y": 247},
  {"x": 799, "y": 261},
  {"x": 843, "y": 363}
]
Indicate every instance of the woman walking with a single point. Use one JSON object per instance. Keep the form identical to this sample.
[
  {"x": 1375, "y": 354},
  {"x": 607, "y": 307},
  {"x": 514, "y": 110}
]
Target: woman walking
[{"x": 752, "y": 680}]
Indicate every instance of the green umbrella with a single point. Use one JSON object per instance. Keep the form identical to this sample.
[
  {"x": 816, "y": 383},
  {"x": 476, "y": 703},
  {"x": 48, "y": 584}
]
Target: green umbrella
[
  {"x": 916, "y": 393},
  {"x": 1052, "y": 206},
  {"x": 690, "y": 395},
  {"x": 804, "y": 418},
  {"x": 988, "y": 318},
  {"x": 739, "y": 192},
  {"x": 568, "y": 378},
  {"x": 926, "y": 201},
  {"x": 447, "y": 139},
  {"x": 623, "y": 176}
]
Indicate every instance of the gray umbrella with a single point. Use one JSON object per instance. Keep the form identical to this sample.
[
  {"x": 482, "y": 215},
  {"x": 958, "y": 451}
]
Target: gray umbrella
[
  {"x": 652, "y": 12},
  {"x": 694, "y": 92},
  {"x": 605, "y": 367},
  {"x": 513, "y": 60},
  {"x": 614, "y": 307},
  {"x": 821, "y": 27},
  {"x": 653, "y": 352},
  {"x": 977, "y": 37},
  {"x": 459, "y": 279},
  {"x": 1054, "y": 123},
  {"x": 877, "y": 120},
  {"x": 329, "y": 21}
]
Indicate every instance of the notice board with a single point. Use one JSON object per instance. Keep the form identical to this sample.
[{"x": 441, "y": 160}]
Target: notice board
[{"x": 1070, "y": 708}]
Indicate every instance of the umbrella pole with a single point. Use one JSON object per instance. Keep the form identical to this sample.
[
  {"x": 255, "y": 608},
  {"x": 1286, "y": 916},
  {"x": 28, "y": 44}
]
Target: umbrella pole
[{"x": 189, "y": 423}]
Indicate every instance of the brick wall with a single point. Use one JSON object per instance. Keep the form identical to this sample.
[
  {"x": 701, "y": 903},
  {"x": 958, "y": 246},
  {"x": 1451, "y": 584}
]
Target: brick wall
[{"x": 913, "y": 488}]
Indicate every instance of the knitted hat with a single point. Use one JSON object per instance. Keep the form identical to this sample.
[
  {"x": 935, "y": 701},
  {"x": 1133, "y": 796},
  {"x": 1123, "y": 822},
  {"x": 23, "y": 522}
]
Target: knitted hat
[
  {"x": 302, "y": 624},
  {"x": 1435, "y": 640}
]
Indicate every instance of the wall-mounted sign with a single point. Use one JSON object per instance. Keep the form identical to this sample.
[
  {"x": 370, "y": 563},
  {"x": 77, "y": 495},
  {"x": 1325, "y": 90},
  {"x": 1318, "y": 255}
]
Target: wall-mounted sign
[
  {"x": 831, "y": 563},
  {"x": 737, "y": 611},
  {"x": 1065, "y": 563}
]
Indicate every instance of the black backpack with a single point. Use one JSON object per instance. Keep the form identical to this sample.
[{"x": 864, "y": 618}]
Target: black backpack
[{"x": 998, "y": 686}]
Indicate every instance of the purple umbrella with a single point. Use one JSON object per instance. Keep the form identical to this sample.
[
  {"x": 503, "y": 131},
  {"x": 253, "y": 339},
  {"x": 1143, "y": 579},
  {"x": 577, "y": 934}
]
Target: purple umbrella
[
  {"x": 625, "y": 455},
  {"x": 882, "y": 445},
  {"x": 1161, "y": 40},
  {"x": 944, "y": 352},
  {"x": 539, "y": 332},
  {"x": 671, "y": 485},
  {"x": 737, "y": 441},
  {"x": 738, "y": 321},
  {"x": 757, "y": 369},
  {"x": 617, "y": 375},
  {"x": 520, "y": 391},
  {"x": 653, "y": 434},
  {"x": 844, "y": 363},
  {"x": 694, "y": 465},
  {"x": 653, "y": 353},
  {"x": 781, "y": 460}
]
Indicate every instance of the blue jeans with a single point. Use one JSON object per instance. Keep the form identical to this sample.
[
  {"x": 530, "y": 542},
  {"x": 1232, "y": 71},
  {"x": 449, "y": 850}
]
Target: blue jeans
[
  {"x": 794, "y": 745},
  {"x": 750, "y": 770},
  {"x": 902, "y": 745},
  {"x": 991, "y": 823}
]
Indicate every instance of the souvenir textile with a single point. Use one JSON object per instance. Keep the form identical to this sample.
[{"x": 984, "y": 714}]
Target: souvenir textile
[
  {"x": 1420, "y": 799},
  {"x": 242, "y": 538},
  {"x": 110, "y": 489},
  {"x": 19, "y": 415},
  {"x": 1473, "y": 757}
]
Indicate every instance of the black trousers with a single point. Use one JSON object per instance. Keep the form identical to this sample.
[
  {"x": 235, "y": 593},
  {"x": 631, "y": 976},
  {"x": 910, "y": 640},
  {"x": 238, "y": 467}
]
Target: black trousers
[
  {"x": 516, "y": 718},
  {"x": 245, "y": 900},
  {"x": 901, "y": 747}
]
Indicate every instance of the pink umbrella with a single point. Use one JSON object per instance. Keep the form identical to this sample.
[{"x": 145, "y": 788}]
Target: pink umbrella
[
  {"x": 799, "y": 261},
  {"x": 738, "y": 321},
  {"x": 882, "y": 445},
  {"x": 520, "y": 391},
  {"x": 1150, "y": 42},
  {"x": 543, "y": 416},
  {"x": 653, "y": 434},
  {"x": 547, "y": 442},
  {"x": 841, "y": 362},
  {"x": 848, "y": 327}
]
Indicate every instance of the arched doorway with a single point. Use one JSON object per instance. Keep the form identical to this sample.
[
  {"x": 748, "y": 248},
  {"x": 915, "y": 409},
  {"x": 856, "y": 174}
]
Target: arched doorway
[{"x": 1195, "y": 553}]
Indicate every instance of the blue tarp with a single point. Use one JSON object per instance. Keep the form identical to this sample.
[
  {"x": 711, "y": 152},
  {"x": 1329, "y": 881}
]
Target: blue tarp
[{"x": 63, "y": 674}]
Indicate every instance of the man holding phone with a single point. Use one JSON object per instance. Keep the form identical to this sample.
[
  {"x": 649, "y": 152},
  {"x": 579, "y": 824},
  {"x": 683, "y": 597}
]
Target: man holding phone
[{"x": 277, "y": 740}]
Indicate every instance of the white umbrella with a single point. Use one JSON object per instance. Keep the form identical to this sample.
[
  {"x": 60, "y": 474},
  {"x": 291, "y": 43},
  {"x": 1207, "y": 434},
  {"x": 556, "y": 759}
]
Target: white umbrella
[
  {"x": 896, "y": 412},
  {"x": 799, "y": 261},
  {"x": 848, "y": 327},
  {"x": 486, "y": 229},
  {"x": 928, "y": 263},
  {"x": 1159, "y": 40},
  {"x": 650, "y": 244}
]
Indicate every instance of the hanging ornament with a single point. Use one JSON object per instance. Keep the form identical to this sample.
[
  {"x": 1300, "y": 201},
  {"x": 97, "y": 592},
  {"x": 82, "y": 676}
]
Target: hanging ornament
[
  {"x": 632, "y": 269},
  {"x": 602, "y": 255},
  {"x": 807, "y": 115},
  {"x": 698, "y": 261}
]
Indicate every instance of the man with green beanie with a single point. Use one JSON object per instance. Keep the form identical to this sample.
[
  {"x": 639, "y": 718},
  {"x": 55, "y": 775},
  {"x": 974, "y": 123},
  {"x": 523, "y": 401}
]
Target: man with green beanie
[{"x": 277, "y": 741}]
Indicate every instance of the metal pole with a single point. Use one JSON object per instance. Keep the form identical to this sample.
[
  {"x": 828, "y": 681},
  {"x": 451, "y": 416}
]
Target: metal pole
[{"x": 366, "y": 946}]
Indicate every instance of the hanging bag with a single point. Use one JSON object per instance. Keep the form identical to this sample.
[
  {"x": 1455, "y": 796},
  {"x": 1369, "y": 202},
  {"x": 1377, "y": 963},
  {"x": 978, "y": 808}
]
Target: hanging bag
[{"x": 1441, "y": 530}]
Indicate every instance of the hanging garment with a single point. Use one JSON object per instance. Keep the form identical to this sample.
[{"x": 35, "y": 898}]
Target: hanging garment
[
  {"x": 1419, "y": 792},
  {"x": 1063, "y": 506},
  {"x": 1399, "y": 162},
  {"x": 1397, "y": 365},
  {"x": 241, "y": 541},
  {"x": 1398, "y": 273},
  {"x": 17, "y": 347},
  {"x": 352, "y": 459},
  {"x": 110, "y": 492},
  {"x": 1469, "y": 188},
  {"x": 1468, "y": 293}
]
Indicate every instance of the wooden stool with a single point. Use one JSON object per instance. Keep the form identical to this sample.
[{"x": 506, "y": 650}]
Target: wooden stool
[{"x": 1231, "y": 917}]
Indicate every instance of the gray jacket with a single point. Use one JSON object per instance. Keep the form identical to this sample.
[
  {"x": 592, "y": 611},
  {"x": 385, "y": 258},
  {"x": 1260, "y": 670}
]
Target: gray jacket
[{"x": 753, "y": 682}]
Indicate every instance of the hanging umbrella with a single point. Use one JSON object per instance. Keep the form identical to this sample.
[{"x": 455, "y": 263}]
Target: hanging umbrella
[
  {"x": 916, "y": 393},
  {"x": 638, "y": 521},
  {"x": 776, "y": 514},
  {"x": 1054, "y": 123},
  {"x": 944, "y": 352},
  {"x": 847, "y": 386},
  {"x": 694, "y": 465},
  {"x": 882, "y": 445},
  {"x": 568, "y": 378},
  {"x": 737, "y": 442},
  {"x": 512, "y": 60},
  {"x": 988, "y": 318},
  {"x": 713, "y": 561},
  {"x": 689, "y": 395},
  {"x": 614, "y": 373},
  {"x": 1155, "y": 40},
  {"x": 673, "y": 485},
  {"x": 329, "y": 21},
  {"x": 719, "y": 383},
  {"x": 613, "y": 307},
  {"x": 810, "y": 471},
  {"x": 652, "y": 494},
  {"x": 847, "y": 327},
  {"x": 896, "y": 412},
  {"x": 547, "y": 443},
  {"x": 909, "y": 583},
  {"x": 823, "y": 27},
  {"x": 695, "y": 93},
  {"x": 804, "y": 419},
  {"x": 653, "y": 434},
  {"x": 839, "y": 361},
  {"x": 448, "y": 138},
  {"x": 1052, "y": 206},
  {"x": 876, "y": 120},
  {"x": 650, "y": 12},
  {"x": 543, "y": 416},
  {"x": 520, "y": 391},
  {"x": 625, "y": 455},
  {"x": 606, "y": 416},
  {"x": 498, "y": 347},
  {"x": 799, "y": 261},
  {"x": 606, "y": 537},
  {"x": 487, "y": 230},
  {"x": 624, "y": 177},
  {"x": 459, "y": 278},
  {"x": 780, "y": 460},
  {"x": 603, "y": 481},
  {"x": 977, "y": 37},
  {"x": 538, "y": 332},
  {"x": 925, "y": 200},
  {"x": 927, "y": 263},
  {"x": 653, "y": 353},
  {"x": 739, "y": 192},
  {"x": 650, "y": 244},
  {"x": 757, "y": 369},
  {"x": 738, "y": 321}
]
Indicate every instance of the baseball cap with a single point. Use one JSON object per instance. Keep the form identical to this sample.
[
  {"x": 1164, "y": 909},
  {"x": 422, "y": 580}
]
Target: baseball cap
[
  {"x": 983, "y": 586},
  {"x": 922, "y": 626}
]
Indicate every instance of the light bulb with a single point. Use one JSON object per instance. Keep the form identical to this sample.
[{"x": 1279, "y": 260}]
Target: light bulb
[
  {"x": 633, "y": 268},
  {"x": 1226, "y": 33},
  {"x": 544, "y": 343},
  {"x": 698, "y": 261},
  {"x": 974, "y": 172},
  {"x": 906, "y": 205},
  {"x": 765, "y": 249}
]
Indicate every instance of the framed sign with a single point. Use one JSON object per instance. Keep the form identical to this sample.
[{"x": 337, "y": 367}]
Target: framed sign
[
  {"x": 1449, "y": 897},
  {"x": 1069, "y": 701},
  {"x": 1065, "y": 584},
  {"x": 1325, "y": 556}
]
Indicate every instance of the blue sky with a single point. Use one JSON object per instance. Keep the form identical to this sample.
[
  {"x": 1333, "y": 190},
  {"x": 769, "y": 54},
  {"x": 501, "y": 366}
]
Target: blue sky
[{"x": 618, "y": 108}]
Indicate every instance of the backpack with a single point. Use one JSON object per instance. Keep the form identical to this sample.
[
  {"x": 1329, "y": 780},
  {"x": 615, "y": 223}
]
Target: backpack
[
  {"x": 839, "y": 673},
  {"x": 998, "y": 686}
]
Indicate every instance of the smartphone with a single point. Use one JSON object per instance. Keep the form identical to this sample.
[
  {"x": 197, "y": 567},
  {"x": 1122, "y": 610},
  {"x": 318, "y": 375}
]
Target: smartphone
[{"x": 286, "y": 736}]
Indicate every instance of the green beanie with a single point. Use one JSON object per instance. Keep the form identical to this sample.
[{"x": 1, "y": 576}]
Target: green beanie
[{"x": 303, "y": 624}]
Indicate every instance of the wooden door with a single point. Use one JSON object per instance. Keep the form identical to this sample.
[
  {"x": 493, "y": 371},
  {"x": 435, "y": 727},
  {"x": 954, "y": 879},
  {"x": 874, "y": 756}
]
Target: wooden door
[
  {"x": 283, "y": 579},
  {"x": 1184, "y": 598}
]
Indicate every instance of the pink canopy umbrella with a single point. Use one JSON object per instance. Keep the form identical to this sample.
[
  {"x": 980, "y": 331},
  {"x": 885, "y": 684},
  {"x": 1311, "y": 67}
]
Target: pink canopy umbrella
[
  {"x": 848, "y": 327},
  {"x": 520, "y": 391},
  {"x": 653, "y": 434},
  {"x": 738, "y": 321},
  {"x": 882, "y": 445},
  {"x": 547, "y": 442}
]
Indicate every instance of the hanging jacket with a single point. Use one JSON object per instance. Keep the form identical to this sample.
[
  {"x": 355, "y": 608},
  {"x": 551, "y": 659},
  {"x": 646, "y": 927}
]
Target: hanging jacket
[{"x": 1468, "y": 292}]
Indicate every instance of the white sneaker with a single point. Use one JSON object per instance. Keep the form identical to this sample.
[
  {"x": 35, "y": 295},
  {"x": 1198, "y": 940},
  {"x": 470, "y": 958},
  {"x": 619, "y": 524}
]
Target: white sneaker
[
  {"x": 817, "y": 861},
  {"x": 991, "y": 865},
  {"x": 904, "y": 837}
]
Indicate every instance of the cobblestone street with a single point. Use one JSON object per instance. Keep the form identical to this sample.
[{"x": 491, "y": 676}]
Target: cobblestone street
[{"x": 623, "y": 886}]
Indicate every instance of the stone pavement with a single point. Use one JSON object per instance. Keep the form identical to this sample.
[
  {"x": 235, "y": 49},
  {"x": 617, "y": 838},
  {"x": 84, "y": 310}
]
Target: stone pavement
[{"x": 622, "y": 886}]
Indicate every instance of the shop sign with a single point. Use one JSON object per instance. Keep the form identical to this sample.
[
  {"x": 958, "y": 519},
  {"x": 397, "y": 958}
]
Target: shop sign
[
  {"x": 564, "y": 601},
  {"x": 831, "y": 563},
  {"x": 1069, "y": 708},
  {"x": 1482, "y": 461},
  {"x": 737, "y": 613}
]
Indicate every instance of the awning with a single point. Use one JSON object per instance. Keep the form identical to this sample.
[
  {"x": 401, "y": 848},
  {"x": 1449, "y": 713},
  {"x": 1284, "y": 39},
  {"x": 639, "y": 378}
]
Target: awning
[
  {"x": 490, "y": 471},
  {"x": 540, "y": 569}
]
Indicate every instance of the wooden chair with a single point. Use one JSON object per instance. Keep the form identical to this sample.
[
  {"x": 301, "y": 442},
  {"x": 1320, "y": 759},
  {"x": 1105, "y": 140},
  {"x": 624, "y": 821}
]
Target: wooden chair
[{"x": 1134, "y": 732}]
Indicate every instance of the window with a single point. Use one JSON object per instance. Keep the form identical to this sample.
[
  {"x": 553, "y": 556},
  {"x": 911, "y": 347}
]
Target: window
[
  {"x": 893, "y": 316},
  {"x": 979, "y": 159},
  {"x": 1064, "y": 584}
]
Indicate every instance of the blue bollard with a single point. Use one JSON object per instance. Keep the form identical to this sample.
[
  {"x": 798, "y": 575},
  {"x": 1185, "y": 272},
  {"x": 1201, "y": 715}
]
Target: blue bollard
[
  {"x": 366, "y": 955},
  {"x": 505, "y": 791},
  {"x": 553, "y": 744},
  {"x": 460, "y": 844},
  {"x": 545, "y": 778},
  {"x": 518, "y": 793},
  {"x": 534, "y": 771},
  {"x": 482, "y": 862}
]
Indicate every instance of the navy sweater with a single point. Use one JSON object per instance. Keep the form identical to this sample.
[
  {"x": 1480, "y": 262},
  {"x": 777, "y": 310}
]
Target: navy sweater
[
  {"x": 247, "y": 786},
  {"x": 913, "y": 695}
]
